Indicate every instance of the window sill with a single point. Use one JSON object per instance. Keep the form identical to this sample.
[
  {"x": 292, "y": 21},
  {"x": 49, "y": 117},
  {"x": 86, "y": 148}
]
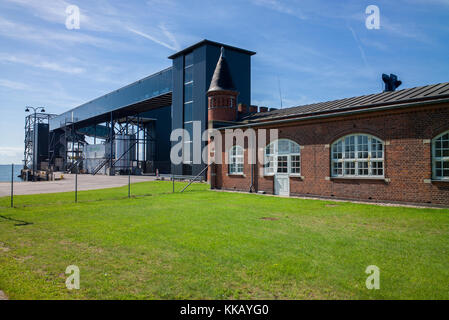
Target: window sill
[
  {"x": 362, "y": 178},
  {"x": 297, "y": 176},
  {"x": 236, "y": 174},
  {"x": 439, "y": 180}
]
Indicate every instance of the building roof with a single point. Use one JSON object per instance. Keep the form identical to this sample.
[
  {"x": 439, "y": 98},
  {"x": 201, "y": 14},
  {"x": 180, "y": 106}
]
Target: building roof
[
  {"x": 222, "y": 80},
  {"x": 212, "y": 43},
  {"x": 417, "y": 94},
  {"x": 155, "y": 90}
]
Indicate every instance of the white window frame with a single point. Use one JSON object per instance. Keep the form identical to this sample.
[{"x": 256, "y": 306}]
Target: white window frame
[
  {"x": 356, "y": 161},
  {"x": 236, "y": 160},
  {"x": 441, "y": 158},
  {"x": 271, "y": 159}
]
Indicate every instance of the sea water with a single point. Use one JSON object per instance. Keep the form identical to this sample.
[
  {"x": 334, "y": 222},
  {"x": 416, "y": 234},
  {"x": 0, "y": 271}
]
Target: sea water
[{"x": 5, "y": 172}]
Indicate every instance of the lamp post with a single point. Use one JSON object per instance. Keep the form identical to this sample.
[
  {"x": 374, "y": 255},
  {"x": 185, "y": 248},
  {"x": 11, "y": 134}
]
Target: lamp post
[{"x": 35, "y": 110}]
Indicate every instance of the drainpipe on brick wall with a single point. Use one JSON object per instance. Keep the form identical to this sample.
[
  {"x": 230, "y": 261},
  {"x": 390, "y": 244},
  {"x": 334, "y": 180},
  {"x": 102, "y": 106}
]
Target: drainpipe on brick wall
[{"x": 251, "y": 187}]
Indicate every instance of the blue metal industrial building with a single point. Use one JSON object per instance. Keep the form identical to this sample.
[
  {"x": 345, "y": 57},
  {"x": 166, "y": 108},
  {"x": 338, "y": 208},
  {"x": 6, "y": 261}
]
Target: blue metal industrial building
[{"x": 134, "y": 123}]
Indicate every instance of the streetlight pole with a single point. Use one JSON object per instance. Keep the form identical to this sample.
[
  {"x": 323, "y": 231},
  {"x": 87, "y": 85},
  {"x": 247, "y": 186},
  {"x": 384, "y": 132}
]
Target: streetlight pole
[{"x": 35, "y": 110}]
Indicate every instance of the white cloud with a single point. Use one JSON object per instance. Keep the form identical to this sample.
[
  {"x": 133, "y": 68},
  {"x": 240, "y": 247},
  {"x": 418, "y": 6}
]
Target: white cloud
[
  {"x": 37, "y": 62},
  {"x": 10, "y": 155},
  {"x": 281, "y": 7},
  {"x": 13, "y": 85},
  {"x": 362, "y": 52},
  {"x": 404, "y": 30},
  {"x": 427, "y": 2},
  {"x": 170, "y": 37},
  {"x": 55, "y": 11},
  {"x": 48, "y": 37},
  {"x": 174, "y": 47},
  {"x": 102, "y": 18}
]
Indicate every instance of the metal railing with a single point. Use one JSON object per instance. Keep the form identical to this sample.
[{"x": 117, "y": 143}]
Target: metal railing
[
  {"x": 101, "y": 165},
  {"x": 199, "y": 174}
]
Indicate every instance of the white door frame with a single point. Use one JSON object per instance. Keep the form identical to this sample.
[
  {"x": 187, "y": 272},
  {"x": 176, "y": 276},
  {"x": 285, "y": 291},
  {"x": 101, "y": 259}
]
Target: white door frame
[{"x": 277, "y": 178}]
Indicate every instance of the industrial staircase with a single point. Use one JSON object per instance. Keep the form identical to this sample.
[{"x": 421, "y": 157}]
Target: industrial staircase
[{"x": 100, "y": 165}]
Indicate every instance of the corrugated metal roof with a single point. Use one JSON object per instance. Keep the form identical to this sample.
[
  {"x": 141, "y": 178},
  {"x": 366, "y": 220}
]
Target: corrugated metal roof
[{"x": 429, "y": 92}]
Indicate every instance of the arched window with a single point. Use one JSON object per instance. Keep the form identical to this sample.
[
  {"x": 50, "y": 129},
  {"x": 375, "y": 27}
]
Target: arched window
[
  {"x": 235, "y": 160},
  {"x": 440, "y": 161},
  {"x": 283, "y": 156},
  {"x": 358, "y": 155}
]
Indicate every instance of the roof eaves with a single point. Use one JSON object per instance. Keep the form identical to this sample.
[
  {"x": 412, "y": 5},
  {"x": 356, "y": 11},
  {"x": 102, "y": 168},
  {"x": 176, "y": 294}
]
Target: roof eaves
[
  {"x": 336, "y": 114},
  {"x": 213, "y": 43}
]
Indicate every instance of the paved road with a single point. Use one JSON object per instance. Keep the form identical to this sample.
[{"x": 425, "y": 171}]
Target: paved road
[{"x": 85, "y": 182}]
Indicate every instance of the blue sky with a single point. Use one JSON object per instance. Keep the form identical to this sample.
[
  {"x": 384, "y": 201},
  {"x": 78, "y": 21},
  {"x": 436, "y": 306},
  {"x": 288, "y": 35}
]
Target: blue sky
[{"x": 314, "y": 50}]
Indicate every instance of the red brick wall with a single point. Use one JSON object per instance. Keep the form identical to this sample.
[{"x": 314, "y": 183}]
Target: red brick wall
[
  {"x": 220, "y": 106},
  {"x": 407, "y": 158}
]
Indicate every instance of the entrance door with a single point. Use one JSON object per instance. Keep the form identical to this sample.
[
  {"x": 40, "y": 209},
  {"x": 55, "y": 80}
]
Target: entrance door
[
  {"x": 282, "y": 184},
  {"x": 281, "y": 179}
]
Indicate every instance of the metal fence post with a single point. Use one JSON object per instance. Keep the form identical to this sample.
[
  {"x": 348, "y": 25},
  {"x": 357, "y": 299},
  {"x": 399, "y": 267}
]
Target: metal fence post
[
  {"x": 76, "y": 183},
  {"x": 129, "y": 182},
  {"x": 12, "y": 185},
  {"x": 173, "y": 179}
]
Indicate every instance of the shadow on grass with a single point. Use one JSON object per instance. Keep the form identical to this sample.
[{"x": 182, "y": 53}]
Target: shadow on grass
[{"x": 22, "y": 223}]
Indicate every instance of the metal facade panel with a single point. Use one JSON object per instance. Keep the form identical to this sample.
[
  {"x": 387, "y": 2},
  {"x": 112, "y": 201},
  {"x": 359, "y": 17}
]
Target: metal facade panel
[
  {"x": 177, "y": 102},
  {"x": 139, "y": 91}
]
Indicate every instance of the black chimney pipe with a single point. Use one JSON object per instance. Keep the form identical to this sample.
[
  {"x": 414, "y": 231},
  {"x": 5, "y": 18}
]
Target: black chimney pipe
[{"x": 391, "y": 82}]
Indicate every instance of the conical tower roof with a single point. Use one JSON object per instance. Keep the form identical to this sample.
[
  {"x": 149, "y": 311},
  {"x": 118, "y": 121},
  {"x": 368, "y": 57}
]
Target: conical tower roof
[{"x": 222, "y": 80}]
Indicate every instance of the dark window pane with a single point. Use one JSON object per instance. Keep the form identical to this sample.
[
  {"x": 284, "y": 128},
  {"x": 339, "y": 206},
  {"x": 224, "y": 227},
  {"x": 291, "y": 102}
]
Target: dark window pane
[
  {"x": 187, "y": 169},
  {"x": 188, "y": 59},
  {"x": 188, "y": 92},
  {"x": 188, "y": 74},
  {"x": 188, "y": 111},
  {"x": 363, "y": 168},
  {"x": 189, "y": 128},
  {"x": 349, "y": 168}
]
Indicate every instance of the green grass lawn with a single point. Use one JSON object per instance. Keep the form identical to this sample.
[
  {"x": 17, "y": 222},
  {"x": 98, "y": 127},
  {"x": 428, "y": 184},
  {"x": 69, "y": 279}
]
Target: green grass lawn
[{"x": 215, "y": 245}]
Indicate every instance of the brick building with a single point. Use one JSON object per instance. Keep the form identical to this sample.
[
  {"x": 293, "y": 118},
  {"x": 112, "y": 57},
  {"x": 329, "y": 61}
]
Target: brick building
[{"x": 391, "y": 146}]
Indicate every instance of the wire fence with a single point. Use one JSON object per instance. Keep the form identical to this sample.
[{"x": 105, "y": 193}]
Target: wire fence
[{"x": 164, "y": 186}]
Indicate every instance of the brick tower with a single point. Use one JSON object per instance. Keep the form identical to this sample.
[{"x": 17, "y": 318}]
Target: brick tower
[
  {"x": 222, "y": 107},
  {"x": 222, "y": 94}
]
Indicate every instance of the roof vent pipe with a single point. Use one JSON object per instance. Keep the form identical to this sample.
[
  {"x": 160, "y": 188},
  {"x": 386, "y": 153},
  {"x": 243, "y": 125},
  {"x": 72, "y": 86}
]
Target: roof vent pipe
[{"x": 391, "y": 82}]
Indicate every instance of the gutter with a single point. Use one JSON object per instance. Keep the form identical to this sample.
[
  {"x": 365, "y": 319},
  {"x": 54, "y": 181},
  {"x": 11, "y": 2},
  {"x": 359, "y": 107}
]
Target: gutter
[{"x": 336, "y": 114}]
